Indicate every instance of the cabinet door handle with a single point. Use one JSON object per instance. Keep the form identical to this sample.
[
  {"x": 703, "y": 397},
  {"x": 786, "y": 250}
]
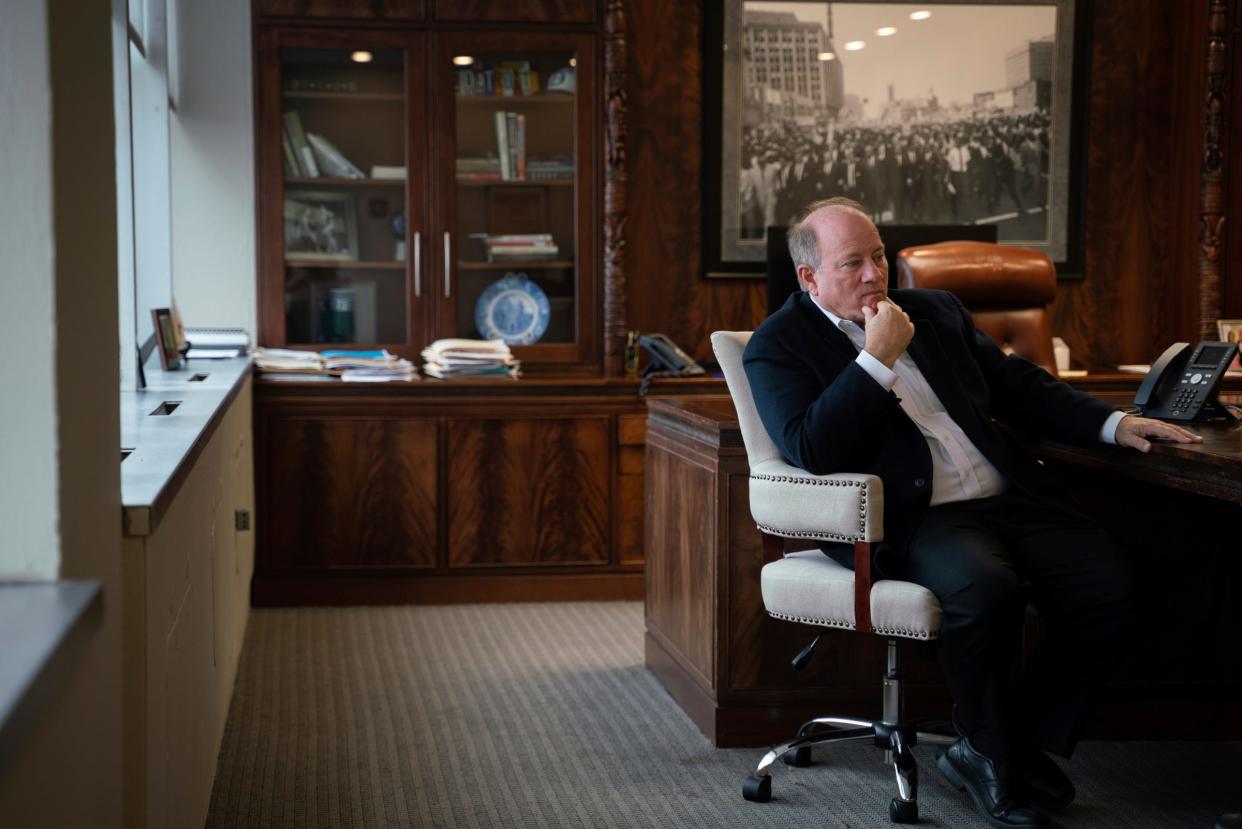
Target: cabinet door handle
[
  {"x": 418, "y": 265},
  {"x": 448, "y": 263}
]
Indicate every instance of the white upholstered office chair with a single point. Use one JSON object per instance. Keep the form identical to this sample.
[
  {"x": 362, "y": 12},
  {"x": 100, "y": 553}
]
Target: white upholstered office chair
[{"x": 811, "y": 588}]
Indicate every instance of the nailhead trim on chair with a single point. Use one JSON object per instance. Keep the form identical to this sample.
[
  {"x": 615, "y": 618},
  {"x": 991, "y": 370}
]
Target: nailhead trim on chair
[
  {"x": 832, "y": 623},
  {"x": 789, "y": 479}
]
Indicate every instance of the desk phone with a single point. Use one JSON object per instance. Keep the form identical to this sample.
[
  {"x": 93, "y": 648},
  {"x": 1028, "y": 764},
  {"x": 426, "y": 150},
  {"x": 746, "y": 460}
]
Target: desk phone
[{"x": 1183, "y": 382}]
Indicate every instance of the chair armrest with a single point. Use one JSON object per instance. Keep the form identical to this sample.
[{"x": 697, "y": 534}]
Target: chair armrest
[{"x": 792, "y": 503}]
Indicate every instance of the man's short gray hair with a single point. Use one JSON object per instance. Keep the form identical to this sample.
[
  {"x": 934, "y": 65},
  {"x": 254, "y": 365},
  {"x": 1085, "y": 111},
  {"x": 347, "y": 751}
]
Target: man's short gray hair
[{"x": 803, "y": 244}]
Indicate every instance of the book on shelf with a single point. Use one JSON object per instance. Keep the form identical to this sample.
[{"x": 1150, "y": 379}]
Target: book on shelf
[
  {"x": 521, "y": 147},
  {"x": 297, "y": 138},
  {"x": 292, "y": 168},
  {"x": 387, "y": 172},
  {"x": 331, "y": 160},
  {"x": 502, "y": 144}
]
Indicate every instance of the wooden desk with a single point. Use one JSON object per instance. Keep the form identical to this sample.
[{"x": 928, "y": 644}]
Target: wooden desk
[{"x": 1176, "y": 511}]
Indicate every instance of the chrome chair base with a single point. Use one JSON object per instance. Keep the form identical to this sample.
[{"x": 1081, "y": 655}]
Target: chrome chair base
[{"x": 896, "y": 737}]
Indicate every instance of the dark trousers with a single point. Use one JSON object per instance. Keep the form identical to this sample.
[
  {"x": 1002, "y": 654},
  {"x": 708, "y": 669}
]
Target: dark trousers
[{"x": 984, "y": 560}]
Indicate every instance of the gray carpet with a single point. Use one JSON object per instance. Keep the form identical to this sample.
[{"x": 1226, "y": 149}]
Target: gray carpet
[{"x": 542, "y": 715}]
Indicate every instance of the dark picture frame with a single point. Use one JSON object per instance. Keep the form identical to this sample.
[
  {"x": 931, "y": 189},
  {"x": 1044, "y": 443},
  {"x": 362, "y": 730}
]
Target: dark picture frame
[
  {"x": 1056, "y": 83},
  {"x": 165, "y": 339},
  {"x": 320, "y": 225}
]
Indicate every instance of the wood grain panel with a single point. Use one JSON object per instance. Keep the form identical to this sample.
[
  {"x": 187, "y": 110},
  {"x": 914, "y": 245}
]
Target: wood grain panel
[
  {"x": 681, "y": 562},
  {"x": 344, "y": 9},
  {"x": 665, "y": 288},
  {"x": 364, "y": 495},
  {"x": 528, "y": 492},
  {"x": 515, "y": 11},
  {"x": 1142, "y": 201},
  {"x": 630, "y": 519}
]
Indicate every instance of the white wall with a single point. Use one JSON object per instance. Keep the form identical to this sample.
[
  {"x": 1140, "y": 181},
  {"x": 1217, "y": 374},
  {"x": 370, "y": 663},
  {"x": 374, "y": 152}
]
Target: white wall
[
  {"x": 68, "y": 772},
  {"x": 213, "y": 192},
  {"x": 30, "y": 546}
]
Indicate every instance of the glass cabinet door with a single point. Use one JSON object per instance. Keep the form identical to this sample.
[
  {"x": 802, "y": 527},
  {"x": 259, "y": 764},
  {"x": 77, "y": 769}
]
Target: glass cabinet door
[
  {"x": 348, "y": 237},
  {"x": 513, "y": 241}
]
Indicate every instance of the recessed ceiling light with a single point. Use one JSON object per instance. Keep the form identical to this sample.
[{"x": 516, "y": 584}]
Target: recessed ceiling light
[
  {"x": 826, "y": 56},
  {"x": 463, "y": 60},
  {"x": 573, "y": 61},
  {"x": 361, "y": 57},
  {"x": 921, "y": 14},
  {"x": 855, "y": 45},
  {"x": 886, "y": 31}
]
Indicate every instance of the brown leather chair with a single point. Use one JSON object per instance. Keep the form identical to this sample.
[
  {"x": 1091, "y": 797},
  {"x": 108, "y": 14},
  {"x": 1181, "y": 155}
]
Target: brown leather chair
[{"x": 1006, "y": 290}]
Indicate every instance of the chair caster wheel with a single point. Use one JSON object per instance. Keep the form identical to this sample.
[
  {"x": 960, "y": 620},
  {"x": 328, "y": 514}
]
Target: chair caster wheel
[
  {"x": 799, "y": 758},
  {"x": 757, "y": 789},
  {"x": 903, "y": 811}
]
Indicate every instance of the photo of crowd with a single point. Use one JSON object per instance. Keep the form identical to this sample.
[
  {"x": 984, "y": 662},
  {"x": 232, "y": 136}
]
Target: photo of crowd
[
  {"x": 837, "y": 99},
  {"x": 982, "y": 169}
]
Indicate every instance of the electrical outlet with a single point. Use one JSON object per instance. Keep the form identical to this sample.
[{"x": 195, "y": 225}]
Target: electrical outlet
[{"x": 241, "y": 519}]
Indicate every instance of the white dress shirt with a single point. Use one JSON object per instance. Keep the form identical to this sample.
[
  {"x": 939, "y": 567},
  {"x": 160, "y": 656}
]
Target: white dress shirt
[{"x": 960, "y": 472}]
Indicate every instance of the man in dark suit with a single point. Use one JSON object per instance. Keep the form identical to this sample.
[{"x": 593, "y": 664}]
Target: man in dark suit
[{"x": 850, "y": 379}]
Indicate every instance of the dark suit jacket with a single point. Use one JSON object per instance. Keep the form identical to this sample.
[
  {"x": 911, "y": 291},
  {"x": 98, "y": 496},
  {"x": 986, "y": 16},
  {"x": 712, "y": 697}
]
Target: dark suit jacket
[{"x": 828, "y": 415}]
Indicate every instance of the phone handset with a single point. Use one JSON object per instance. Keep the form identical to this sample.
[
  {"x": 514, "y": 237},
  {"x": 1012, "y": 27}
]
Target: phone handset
[{"x": 1160, "y": 370}]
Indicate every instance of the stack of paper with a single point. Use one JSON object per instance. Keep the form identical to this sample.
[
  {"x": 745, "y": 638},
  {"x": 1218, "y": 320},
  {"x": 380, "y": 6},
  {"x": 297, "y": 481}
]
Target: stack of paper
[
  {"x": 446, "y": 359},
  {"x": 287, "y": 359},
  {"x": 368, "y": 366}
]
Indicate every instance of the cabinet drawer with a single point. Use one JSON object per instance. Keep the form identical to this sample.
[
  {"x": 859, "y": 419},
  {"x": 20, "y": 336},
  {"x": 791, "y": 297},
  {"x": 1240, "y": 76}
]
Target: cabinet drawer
[
  {"x": 351, "y": 493},
  {"x": 527, "y": 491}
]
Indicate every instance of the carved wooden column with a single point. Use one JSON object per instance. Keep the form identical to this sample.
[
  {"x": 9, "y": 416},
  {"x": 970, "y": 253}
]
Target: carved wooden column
[
  {"x": 1212, "y": 216},
  {"x": 614, "y": 188}
]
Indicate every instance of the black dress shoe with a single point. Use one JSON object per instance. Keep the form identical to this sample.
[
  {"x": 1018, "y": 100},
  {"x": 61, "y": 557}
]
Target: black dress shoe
[
  {"x": 990, "y": 785},
  {"x": 1046, "y": 786}
]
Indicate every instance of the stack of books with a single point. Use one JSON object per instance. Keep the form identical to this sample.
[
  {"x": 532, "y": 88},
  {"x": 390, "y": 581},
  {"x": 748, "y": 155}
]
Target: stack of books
[
  {"x": 550, "y": 169},
  {"x": 310, "y": 155},
  {"x": 478, "y": 169},
  {"x": 447, "y": 359},
  {"x": 519, "y": 247},
  {"x": 350, "y": 366}
]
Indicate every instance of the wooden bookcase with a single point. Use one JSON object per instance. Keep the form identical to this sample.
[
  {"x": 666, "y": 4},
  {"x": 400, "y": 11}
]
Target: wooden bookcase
[
  {"x": 406, "y": 169},
  {"x": 445, "y": 491}
]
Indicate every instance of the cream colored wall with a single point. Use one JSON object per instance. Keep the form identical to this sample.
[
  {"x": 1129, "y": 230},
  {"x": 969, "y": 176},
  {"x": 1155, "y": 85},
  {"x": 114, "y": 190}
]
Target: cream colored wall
[
  {"x": 212, "y": 145},
  {"x": 68, "y": 771},
  {"x": 186, "y": 607}
]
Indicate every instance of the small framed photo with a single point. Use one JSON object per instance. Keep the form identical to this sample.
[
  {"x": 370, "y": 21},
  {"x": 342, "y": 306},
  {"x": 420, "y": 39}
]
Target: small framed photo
[
  {"x": 320, "y": 225},
  {"x": 166, "y": 339},
  {"x": 1229, "y": 331}
]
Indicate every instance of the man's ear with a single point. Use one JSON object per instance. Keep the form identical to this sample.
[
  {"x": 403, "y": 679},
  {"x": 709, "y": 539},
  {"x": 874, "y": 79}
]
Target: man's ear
[{"x": 806, "y": 277}]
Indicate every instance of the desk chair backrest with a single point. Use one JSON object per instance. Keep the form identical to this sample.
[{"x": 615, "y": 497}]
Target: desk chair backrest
[
  {"x": 1006, "y": 289},
  {"x": 729, "y": 346}
]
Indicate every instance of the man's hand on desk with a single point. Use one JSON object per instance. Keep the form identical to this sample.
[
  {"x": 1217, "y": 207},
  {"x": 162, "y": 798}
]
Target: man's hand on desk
[{"x": 1133, "y": 431}]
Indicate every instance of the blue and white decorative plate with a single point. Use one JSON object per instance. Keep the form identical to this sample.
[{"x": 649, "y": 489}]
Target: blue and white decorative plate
[{"x": 512, "y": 309}]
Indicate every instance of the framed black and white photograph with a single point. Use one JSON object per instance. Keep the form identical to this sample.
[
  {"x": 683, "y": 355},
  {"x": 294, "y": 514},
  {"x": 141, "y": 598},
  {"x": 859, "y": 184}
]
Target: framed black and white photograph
[
  {"x": 320, "y": 226},
  {"x": 932, "y": 113}
]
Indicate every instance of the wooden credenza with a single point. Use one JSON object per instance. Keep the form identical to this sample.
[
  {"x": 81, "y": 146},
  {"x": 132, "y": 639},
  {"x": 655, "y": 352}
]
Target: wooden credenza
[
  {"x": 463, "y": 491},
  {"x": 1177, "y": 512}
]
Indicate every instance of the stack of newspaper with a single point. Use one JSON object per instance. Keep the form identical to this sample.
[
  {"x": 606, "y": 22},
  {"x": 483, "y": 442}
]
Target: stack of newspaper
[
  {"x": 349, "y": 365},
  {"x": 368, "y": 366},
  {"x": 446, "y": 359}
]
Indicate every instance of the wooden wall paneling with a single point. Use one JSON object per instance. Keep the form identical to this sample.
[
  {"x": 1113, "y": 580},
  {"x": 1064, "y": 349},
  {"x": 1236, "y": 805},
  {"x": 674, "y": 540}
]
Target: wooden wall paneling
[
  {"x": 614, "y": 188},
  {"x": 1142, "y": 202},
  {"x": 1212, "y": 173},
  {"x": 527, "y": 491},
  {"x": 665, "y": 288},
  {"x": 1231, "y": 282},
  {"x": 631, "y": 440},
  {"x": 343, "y": 9},
  {"x": 364, "y": 496},
  {"x": 515, "y": 11}
]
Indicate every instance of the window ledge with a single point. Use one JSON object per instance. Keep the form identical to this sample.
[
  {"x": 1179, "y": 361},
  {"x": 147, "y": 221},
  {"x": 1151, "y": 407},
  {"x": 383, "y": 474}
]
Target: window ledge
[
  {"x": 47, "y": 627},
  {"x": 164, "y": 447}
]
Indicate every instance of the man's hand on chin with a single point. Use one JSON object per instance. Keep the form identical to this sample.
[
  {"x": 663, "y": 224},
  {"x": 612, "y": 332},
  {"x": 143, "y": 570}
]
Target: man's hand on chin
[
  {"x": 1133, "y": 431},
  {"x": 888, "y": 331}
]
